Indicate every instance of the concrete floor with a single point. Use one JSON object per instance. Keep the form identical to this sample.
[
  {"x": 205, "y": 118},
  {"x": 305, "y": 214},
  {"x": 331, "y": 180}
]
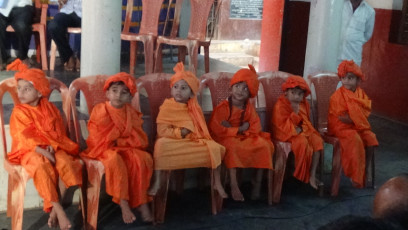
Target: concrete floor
[{"x": 300, "y": 206}]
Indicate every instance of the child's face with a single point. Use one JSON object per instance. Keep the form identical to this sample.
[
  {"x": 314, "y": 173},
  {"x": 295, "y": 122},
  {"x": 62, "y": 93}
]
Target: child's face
[
  {"x": 350, "y": 81},
  {"x": 27, "y": 94},
  {"x": 295, "y": 95},
  {"x": 240, "y": 91},
  {"x": 118, "y": 95},
  {"x": 181, "y": 92}
]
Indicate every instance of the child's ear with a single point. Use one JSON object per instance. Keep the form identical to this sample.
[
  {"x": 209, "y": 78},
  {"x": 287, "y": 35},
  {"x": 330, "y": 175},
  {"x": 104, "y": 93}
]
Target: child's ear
[{"x": 39, "y": 95}]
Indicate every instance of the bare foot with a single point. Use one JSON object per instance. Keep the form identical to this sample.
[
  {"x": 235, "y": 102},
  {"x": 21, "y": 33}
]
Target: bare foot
[
  {"x": 145, "y": 212},
  {"x": 78, "y": 65},
  {"x": 218, "y": 187},
  {"x": 127, "y": 214},
  {"x": 70, "y": 64},
  {"x": 315, "y": 183},
  {"x": 63, "y": 220},
  {"x": 256, "y": 190},
  {"x": 236, "y": 194},
  {"x": 53, "y": 220}
]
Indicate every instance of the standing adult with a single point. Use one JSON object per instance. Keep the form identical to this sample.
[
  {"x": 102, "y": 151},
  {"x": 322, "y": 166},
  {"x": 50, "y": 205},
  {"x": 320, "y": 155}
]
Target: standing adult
[
  {"x": 19, "y": 14},
  {"x": 357, "y": 29},
  {"x": 69, "y": 16}
]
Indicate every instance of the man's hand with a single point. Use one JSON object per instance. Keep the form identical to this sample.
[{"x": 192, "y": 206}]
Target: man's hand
[
  {"x": 48, "y": 153},
  {"x": 244, "y": 127},
  {"x": 226, "y": 124}
]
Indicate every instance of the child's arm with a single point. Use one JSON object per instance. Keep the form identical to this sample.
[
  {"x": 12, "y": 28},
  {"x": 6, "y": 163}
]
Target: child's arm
[
  {"x": 184, "y": 132},
  {"x": 219, "y": 125},
  {"x": 48, "y": 153},
  {"x": 346, "y": 119}
]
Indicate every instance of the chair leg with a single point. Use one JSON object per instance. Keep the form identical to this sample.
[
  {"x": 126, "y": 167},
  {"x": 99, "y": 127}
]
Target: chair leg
[
  {"x": 373, "y": 170},
  {"x": 193, "y": 53},
  {"x": 149, "y": 55},
  {"x": 270, "y": 186},
  {"x": 158, "y": 65},
  {"x": 207, "y": 58},
  {"x": 178, "y": 176},
  {"x": 336, "y": 169},
  {"x": 53, "y": 53},
  {"x": 37, "y": 46},
  {"x": 279, "y": 174},
  {"x": 216, "y": 199},
  {"x": 321, "y": 188},
  {"x": 133, "y": 53},
  {"x": 17, "y": 200},
  {"x": 43, "y": 47},
  {"x": 160, "y": 200},
  {"x": 9, "y": 196},
  {"x": 92, "y": 198}
]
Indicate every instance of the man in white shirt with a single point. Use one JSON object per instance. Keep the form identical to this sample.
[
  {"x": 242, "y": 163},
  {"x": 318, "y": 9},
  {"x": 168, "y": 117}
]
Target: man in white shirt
[
  {"x": 357, "y": 28},
  {"x": 69, "y": 16},
  {"x": 19, "y": 14}
]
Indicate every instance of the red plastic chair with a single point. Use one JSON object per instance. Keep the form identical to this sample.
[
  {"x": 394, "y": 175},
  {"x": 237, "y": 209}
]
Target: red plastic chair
[
  {"x": 53, "y": 51},
  {"x": 41, "y": 37},
  {"x": 157, "y": 86},
  {"x": 325, "y": 84},
  {"x": 219, "y": 83},
  {"x": 18, "y": 176},
  {"x": 196, "y": 37},
  {"x": 272, "y": 82},
  {"x": 147, "y": 33},
  {"x": 92, "y": 89}
]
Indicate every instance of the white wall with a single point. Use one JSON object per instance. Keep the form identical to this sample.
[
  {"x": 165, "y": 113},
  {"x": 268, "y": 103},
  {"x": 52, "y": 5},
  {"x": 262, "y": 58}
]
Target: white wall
[{"x": 380, "y": 4}]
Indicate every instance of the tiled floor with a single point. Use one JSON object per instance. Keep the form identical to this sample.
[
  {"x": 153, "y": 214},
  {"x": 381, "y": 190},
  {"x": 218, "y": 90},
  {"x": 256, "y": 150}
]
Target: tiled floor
[{"x": 300, "y": 207}]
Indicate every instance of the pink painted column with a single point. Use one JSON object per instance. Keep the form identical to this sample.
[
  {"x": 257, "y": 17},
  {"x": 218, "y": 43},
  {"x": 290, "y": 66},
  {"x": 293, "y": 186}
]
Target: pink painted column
[{"x": 271, "y": 35}]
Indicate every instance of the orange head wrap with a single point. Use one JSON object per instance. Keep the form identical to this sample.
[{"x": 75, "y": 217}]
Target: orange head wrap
[
  {"x": 187, "y": 76},
  {"x": 248, "y": 76},
  {"x": 348, "y": 66},
  {"x": 126, "y": 78},
  {"x": 35, "y": 76},
  {"x": 294, "y": 81}
]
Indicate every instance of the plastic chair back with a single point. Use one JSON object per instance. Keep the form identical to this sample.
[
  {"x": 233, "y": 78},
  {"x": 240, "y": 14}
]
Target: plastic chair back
[
  {"x": 200, "y": 10},
  {"x": 150, "y": 16},
  {"x": 325, "y": 85},
  {"x": 271, "y": 82},
  {"x": 218, "y": 83}
]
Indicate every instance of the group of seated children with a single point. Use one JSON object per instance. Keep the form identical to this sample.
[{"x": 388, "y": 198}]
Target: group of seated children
[{"x": 116, "y": 137}]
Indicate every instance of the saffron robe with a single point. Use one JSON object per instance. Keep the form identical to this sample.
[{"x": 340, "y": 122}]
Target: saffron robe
[
  {"x": 304, "y": 144},
  {"x": 197, "y": 149},
  {"x": 43, "y": 126},
  {"x": 116, "y": 138},
  {"x": 353, "y": 137},
  {"x": 251, "y": 149}
]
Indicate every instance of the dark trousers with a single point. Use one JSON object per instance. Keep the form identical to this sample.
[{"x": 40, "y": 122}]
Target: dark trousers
[
  {"x": 57, "y": 28},
  {"x": 21, "y": 19}
]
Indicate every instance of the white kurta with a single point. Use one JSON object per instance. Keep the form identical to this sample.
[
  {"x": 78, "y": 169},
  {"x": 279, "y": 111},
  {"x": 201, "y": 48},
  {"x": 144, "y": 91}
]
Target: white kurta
[
  {"x": 357, "y": 29},
  {"x": 10, "y": 4},
  {"x": 72, "y": 6}
]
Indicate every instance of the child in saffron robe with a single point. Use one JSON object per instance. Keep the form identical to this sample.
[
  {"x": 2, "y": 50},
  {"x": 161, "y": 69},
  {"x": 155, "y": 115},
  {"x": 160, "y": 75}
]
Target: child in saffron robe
[
  {"x": 40, "y": 143},
  {"x": 116, "y": 138},
  {"x": 236, "y": 125},
  {"x": 290, "y": 123},
  {"x": 183, "y": 138},
  {"x": 348, "y": 112}
]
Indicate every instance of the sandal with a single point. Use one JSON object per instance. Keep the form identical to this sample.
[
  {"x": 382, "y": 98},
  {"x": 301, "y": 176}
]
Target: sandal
[{"x": 70, "y": 64}]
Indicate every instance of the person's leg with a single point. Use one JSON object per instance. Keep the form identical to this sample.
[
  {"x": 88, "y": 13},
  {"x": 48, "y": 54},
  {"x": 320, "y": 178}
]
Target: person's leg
[
  {"x": 156, "y": 183},
  {"x": 57, "y": 28},
  {"x": 235, "y": 191},
  {"x": 53, "y": 219},
  {"x": 3, "y": 26},
  {"x": 314, "y": 182},
  {"x": 218, "y": 184},
  {"x": 21, "y": 19},
  {"x": 369, "y": 164}
]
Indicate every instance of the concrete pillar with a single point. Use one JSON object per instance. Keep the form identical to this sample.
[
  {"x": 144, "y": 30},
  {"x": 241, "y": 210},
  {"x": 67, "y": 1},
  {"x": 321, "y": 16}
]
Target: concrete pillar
[
  {"x": 323, "y": 35},
  {"x": 271, "y": 35},
  {"x": 100, "y": 42}
]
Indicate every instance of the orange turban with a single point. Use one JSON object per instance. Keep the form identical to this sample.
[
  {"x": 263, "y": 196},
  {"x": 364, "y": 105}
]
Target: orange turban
[
  {"x": 248, "y": 76},
  {"x": 187, "y": 76},
  {"x": 126, "y": 78},
  {"x": 348, "y": 66},
  {"x": 35, "y": 76},
  {"x": 294, "y": 81}
]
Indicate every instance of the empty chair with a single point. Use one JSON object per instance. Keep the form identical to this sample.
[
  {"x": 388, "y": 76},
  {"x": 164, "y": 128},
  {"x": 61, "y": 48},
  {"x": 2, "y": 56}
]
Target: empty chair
[
  {"x": 196, "y": 37},
  {"x": 147, "y": 33}
]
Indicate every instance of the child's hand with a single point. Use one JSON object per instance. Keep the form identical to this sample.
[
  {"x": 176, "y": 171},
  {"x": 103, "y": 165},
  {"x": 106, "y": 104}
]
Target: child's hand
[
  {"x": 226, "y": 124},
  {"x": 243, "y": 127},
  {"x": 345, "y": 119},
  {"x": 298, "y": 129},
  {"x": 295, "y": 107},
  {"x": 184, "y": 132},
  {"x": 48, "y": 152}
]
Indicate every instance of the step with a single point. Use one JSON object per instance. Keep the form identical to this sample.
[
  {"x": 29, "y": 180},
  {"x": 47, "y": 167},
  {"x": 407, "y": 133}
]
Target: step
[
  {"x": 238, "y": 59},
  {"x": 250, "y": 47}
]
